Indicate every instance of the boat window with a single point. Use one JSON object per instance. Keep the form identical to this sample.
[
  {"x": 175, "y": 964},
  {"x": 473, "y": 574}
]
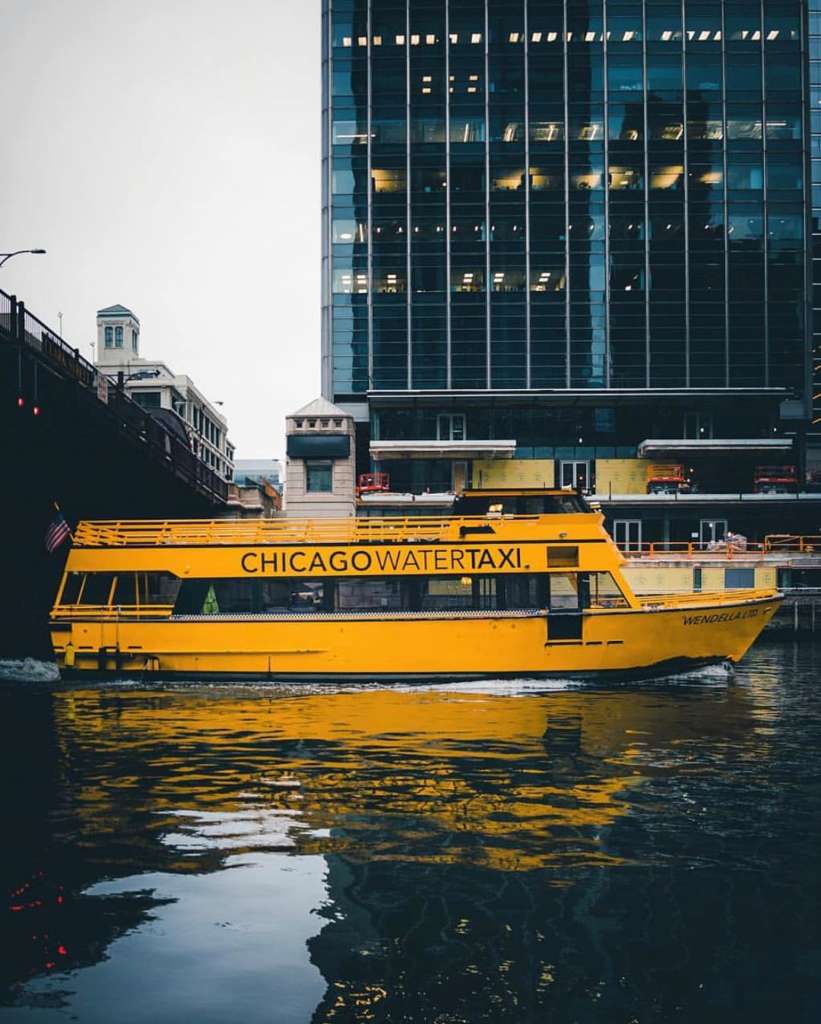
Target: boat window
[
  {"x": 71, "y": 588},
  {"x": 156, "y": 588},
  {"x": 524, "y": 591},
  {"x": 605, "y": 592},
  {"x": 243, "y": 596},
  {"x": 563, "y": 557},
  {"x": 564, "y": 592},
  {"x": 445, "y": 593},
  {"x": 371, "y": 594},
  {"x": 125, "y": 592},
  {"x": 572, "y": 503},
  {"x": 97, "y": 589}
]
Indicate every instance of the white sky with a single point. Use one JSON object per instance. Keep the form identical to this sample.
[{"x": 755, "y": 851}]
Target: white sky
[{"x": 166, "y": 153}]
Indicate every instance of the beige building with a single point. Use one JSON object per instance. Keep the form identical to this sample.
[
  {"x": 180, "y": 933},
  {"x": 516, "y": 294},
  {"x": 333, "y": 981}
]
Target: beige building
[
  {"x": 151, "y": 384},
  {"x": 319, "y": 471}
]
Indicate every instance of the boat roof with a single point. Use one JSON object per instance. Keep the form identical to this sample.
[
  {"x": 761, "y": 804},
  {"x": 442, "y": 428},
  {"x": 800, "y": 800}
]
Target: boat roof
[{"x": 362, "y": 530}]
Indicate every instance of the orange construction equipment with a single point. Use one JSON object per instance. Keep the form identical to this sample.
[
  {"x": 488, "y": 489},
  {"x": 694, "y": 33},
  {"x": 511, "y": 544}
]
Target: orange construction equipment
[
  {"x": 370, "y": 483},
  {"x": 774, "y": 479},
  {"x": 665, "y": 478}
]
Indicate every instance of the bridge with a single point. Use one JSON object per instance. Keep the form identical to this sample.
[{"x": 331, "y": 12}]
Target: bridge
[{"x": 74, "y": 438}]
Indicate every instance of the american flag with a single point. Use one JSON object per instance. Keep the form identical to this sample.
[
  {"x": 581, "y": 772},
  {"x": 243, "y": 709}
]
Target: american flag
[{"x": 57, "y": 533}]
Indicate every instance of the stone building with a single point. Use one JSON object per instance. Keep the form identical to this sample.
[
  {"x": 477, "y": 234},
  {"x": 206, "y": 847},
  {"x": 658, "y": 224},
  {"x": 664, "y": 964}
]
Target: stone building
[
  {"x": 171, "y": 397},
  {"x": 319, "y": 473}
]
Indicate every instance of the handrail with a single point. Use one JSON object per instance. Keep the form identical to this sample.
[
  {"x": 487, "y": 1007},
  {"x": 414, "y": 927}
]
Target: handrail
[
  {"x": 704, "y": 597},
  {"x": 803, "y": 543},
  {"x": 773, "y": 544},
  {"x": 207, "y": 532},
  {"x": 117, "y": 611}
]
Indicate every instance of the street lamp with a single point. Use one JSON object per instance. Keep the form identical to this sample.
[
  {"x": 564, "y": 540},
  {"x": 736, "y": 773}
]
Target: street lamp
[{"x": 6, "y": 256}]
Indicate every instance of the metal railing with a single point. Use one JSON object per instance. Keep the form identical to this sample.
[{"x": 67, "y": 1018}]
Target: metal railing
[
  {"x": 206, "y": 532},
  {"x": 773, "y": 544},
  {"x": 19, "y": 326},
  {"x": 711, "y": 597},
  {"x": 112, "y": 612}
]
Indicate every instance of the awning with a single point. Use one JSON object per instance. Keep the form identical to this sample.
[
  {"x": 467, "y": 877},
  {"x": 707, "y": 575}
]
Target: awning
[
  {"x": 319, "y": 446},
  {"x": 382, "y": 499},
  {"x": 715, "y": 446},
  {"x": 384, "y": 450}
]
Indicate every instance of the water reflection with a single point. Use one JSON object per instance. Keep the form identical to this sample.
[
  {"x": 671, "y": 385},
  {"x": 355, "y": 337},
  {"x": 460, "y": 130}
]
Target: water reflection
[{"x": 416, "y": 855}]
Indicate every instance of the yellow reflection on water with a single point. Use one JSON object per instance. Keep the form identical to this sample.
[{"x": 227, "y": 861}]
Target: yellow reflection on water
[{"x": 439, "y": 776}]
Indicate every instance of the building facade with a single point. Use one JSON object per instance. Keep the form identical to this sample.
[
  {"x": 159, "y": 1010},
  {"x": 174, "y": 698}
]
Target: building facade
[
  {"x": 169, "y": 396},
  {"x": 320, "y": 464},
  {"x": 573, "y": 232}
]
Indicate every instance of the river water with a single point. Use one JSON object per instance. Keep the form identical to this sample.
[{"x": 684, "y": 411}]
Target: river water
[{"x": 475, "y": 852}]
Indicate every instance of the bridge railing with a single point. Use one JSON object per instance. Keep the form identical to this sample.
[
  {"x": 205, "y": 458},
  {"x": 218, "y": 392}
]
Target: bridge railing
[
  {"x": 58, "y": 352},
  {"x": 20, "y": 326}
]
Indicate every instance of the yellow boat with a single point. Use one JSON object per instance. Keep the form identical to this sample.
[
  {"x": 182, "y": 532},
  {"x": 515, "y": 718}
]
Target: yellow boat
[{"x": 460, "y": 597}]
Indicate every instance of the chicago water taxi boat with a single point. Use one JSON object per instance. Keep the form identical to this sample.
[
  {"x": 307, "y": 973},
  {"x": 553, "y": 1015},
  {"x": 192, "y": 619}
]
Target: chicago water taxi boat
[{"x": 457, "y": 597}]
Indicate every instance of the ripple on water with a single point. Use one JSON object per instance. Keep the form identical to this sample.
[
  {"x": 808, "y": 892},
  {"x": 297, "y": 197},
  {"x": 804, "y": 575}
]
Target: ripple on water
[{"x": 505, "y": 851}]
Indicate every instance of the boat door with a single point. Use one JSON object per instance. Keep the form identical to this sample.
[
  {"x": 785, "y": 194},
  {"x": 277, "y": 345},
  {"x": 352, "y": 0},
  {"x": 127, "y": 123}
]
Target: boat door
[{"x": 566, "y": 601}]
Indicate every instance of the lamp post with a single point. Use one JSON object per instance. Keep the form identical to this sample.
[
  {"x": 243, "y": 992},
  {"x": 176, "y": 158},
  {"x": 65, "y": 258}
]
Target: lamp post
[
  {"x": 6, "y": 256},
  {"x": 139, "y": 375}
]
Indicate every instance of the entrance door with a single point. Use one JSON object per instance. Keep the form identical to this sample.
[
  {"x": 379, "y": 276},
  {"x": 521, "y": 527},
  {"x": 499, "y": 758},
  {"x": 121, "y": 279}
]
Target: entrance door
[
  {"x": 711, "y": 531},
  {"x": 627, "y": 534},
  {"x": 567, "y": 598},
  {"x": 575, "y": 474}
]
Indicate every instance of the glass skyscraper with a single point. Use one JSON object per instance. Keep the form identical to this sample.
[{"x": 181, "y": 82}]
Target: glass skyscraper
[
  {"x": 562, "y": 199},
  {"x": 578, "y": 195}
]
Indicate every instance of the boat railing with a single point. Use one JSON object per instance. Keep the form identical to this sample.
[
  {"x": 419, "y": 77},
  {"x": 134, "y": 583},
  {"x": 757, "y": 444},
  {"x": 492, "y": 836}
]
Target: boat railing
[
  {"x": 713, "y": 597},
  {"x": 112, "y": 612},
  {"x": 202, "y": 532}
]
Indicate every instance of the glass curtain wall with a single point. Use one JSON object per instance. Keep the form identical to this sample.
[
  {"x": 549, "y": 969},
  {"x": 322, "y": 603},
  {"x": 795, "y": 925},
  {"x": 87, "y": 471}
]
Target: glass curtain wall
[
  {"x": 815, "y": 154},
  {"x": 534, "y": 194}
]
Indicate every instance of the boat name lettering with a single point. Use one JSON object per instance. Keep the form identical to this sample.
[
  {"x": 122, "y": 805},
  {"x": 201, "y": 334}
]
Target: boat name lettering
[
  {"x": 703, "y": 620},
  {"x": 300, "y": 561}
]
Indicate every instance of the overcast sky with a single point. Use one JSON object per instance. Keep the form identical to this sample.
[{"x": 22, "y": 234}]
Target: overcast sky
[{"x": 166, "y": 153}]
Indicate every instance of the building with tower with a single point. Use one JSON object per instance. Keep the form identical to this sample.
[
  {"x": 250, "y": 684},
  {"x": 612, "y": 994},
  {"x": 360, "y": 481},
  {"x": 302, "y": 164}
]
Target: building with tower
[{"x": 171, "y": 397}]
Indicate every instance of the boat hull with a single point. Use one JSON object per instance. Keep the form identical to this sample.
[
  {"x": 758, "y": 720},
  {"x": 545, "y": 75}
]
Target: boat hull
[{"x": 619, "y": 643}]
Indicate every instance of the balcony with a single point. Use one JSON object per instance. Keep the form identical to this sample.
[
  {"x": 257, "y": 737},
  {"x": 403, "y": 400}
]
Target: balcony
[
  {"x": 714, "y": 446},
  {"x": 432, "y": 449}
]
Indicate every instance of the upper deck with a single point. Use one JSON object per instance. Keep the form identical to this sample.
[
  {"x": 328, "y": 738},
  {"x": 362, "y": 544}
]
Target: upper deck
[{"x": 578, "y": 526}]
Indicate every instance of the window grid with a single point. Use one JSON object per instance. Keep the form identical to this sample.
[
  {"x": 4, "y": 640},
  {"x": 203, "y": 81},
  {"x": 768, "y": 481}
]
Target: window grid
[{"x": 723, "y": 135}]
